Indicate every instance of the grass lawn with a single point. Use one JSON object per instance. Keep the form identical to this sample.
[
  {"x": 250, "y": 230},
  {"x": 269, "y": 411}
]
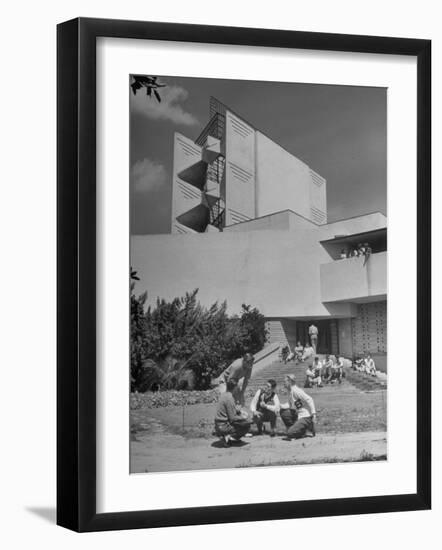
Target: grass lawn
[
  {"x": 351, "y": 427},
  {"x": 339, "y": 411}
]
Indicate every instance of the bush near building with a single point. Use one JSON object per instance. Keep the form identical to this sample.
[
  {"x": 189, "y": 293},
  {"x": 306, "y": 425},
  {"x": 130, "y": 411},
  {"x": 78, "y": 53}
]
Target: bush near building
[{"x": 183, "y": 345}]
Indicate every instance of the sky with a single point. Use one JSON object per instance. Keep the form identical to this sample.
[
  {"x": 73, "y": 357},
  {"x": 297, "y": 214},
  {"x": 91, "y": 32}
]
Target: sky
[{"x": 339, "y": 131}]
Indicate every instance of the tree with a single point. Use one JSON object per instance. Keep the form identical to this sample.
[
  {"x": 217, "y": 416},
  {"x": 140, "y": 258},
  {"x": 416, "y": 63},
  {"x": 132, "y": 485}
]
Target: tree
[
  {"x": 253, "y": 329},
  {"x": 137, "y": 332},
  {"x": 151, "y": 84},
  {"x": 174, "y": 339}
]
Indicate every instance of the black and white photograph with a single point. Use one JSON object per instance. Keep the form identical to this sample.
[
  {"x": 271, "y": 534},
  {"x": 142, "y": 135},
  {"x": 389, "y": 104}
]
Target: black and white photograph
[
  {"x": 218, "y": 230},
  {"x": 258, "y": 274}
]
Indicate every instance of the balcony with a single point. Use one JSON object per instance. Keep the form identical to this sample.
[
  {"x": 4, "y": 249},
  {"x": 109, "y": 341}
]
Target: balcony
[{"x": 351, "y": 280}]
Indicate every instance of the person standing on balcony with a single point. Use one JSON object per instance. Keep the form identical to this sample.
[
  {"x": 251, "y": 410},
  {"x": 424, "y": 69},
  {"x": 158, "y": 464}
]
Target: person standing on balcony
[
  {"x": 313, "y": 333},
  {"x": 368, "y": 252}
]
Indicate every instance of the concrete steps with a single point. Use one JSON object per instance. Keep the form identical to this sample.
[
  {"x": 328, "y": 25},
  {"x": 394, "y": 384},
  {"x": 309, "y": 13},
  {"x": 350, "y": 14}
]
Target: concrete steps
[
  {"x": 365, "y": 382},
  {"x": 278, "y": 371}
]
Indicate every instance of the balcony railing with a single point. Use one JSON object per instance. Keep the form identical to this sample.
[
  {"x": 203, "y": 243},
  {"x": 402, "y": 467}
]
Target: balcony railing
[
  {"x": 215, "y": 128},
  {"x": 354, "y": 278}
]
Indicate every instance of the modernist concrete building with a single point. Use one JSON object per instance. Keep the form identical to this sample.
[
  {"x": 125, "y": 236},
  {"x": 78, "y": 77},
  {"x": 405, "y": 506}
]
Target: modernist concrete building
[{"x": 249, "y": 225}]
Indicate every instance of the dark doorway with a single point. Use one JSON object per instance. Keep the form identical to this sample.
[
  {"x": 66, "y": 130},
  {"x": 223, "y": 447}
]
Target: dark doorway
[{"x": 324, "y": 334}]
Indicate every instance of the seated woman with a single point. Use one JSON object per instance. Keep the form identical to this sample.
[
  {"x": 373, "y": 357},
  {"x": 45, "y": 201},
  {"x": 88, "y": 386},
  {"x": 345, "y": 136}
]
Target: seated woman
[
  {"x": 299, "y": 351},
  {"x": 308, "y": 352},
  {"x": 230, "y": 423}
]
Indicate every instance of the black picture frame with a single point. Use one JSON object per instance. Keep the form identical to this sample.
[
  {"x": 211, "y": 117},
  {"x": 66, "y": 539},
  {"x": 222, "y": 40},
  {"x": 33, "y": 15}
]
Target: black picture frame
[{"x": 76, "y": 273}]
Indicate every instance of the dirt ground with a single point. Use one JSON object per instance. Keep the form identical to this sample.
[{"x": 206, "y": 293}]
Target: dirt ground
[{"x": 351, "y": 426}]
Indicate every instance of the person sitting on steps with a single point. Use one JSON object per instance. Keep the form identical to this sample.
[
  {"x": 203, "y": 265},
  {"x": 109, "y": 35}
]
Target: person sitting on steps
[
  {"x": 308, "y": 352},
  {"x": 299, "y": 351},
  {"x": 313, "y": 374},
  {"x": 370, "y": 366}
]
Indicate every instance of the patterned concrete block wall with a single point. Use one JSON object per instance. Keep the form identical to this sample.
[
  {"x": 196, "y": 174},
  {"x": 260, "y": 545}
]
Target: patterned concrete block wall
[{"x": 369, "y": 328}]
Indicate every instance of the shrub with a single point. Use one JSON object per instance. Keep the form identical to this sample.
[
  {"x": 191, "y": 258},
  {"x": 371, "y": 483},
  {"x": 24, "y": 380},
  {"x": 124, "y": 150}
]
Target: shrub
[{"x": 174, "y": 338}]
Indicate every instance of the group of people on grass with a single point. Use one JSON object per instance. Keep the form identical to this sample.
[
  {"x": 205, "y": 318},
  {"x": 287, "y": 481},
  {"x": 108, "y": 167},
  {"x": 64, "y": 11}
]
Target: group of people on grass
[
  {"x": 327, "y": 372},
  {"x": 365, "y": 364},
  {"x": 233, "y": 421},
  {"x": 302, "y": 353},
  {"x": 299, "y": 354}
]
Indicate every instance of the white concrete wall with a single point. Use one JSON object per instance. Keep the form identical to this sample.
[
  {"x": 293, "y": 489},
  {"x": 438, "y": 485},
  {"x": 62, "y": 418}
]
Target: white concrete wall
[
  {"x": 276, "y": 271},
  {"x": 351, "y": 279},
  {"x": 239, "y": 170},
  {"x": 285, "y": 182},
  {"x": 284, "y": 221}
]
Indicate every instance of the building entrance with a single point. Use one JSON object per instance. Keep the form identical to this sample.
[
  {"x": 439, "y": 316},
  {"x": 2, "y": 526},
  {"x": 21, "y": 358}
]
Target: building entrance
[{"x": 325, "y": 330}]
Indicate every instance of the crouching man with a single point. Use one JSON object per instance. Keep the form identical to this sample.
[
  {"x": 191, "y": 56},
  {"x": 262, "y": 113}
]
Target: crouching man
[
  {"x": 265, "y": 407},
  {"x": 299, "y": 414},
  {"x": 230, "y": 424}
]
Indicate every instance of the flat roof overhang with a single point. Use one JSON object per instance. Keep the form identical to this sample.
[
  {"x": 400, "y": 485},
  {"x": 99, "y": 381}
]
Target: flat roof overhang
[{"x": 355, "y": 238}]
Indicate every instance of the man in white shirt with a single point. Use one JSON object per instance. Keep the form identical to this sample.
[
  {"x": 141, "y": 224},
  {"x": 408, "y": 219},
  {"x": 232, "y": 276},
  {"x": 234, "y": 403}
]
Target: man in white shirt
[
  {"x": 313, "y": 333},
  {"x": 265, "y": 406},
  {"x": 370, "y": 365},
  {"x": 337, "y": 369},
  {"x": 299, "y": 414}
]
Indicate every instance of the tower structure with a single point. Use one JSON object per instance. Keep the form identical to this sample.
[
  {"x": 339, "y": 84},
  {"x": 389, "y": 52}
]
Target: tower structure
[{"x": 234, "y": 173}]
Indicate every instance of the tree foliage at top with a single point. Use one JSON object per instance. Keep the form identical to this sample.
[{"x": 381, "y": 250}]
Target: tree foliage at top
[{"x": 151, "y": 84}]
